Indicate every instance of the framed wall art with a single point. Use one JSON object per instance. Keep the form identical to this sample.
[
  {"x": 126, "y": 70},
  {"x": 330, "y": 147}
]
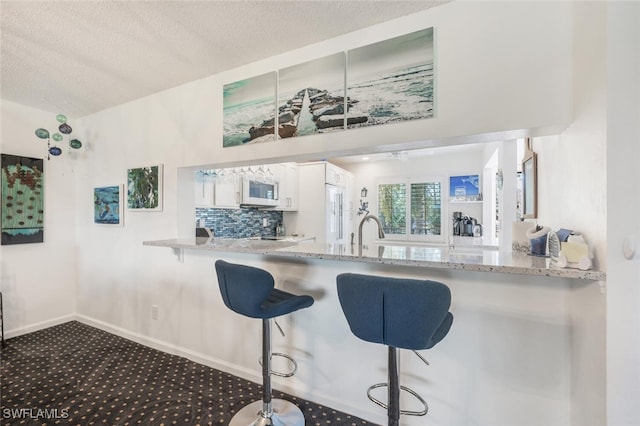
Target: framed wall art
[
  {"x": 144, "y": 188},
  {"x": 22, "y": 199},
  {"x": 108, "y": 205},
  {"x": 249, "y": 110},
  {"x": 391, "y": 80},
  {"x": 311, "y": 97},
  {"x": 464, "y": 188}
]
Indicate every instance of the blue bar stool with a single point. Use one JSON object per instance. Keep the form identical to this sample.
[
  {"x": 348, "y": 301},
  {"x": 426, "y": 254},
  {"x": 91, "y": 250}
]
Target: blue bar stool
[
  {"x": 250, "y": 292},
  {"x": 399, "y": 313}
]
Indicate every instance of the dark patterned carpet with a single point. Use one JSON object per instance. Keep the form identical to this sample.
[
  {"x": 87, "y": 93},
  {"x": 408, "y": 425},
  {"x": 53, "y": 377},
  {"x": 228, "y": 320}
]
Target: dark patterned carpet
[{"x": 74, "y": 374}]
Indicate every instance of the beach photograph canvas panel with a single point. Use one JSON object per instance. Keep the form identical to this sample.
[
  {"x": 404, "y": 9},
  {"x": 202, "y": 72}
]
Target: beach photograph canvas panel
[
  {"x": 391, "y": 81},
  {"x": 144, "y": 188},
  {"x": 249, "y": 110},
  {"x": 311, "y": 97},
  {"x": 108, "y": 205},
  {"x": 22, "y": 198}
]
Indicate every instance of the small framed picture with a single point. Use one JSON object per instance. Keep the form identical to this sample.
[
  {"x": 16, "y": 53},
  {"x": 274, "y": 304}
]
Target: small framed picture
[
  {"x": 108, "y": 205},
  {"x": 144, "y": 188},
  {"x": 464, "y": 188}
]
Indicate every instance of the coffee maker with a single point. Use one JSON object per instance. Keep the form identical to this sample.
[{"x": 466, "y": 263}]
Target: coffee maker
[
  {"x": 464, "y": 225},
  {"x": 458, "y": 223},
  {"x": 469, "y": 225}
]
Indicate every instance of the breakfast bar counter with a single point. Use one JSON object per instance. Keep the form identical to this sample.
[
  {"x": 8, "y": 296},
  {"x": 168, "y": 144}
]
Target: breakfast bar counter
[
  {"x": 423, "y": 256},
  {"x": 514, "y": 315}
]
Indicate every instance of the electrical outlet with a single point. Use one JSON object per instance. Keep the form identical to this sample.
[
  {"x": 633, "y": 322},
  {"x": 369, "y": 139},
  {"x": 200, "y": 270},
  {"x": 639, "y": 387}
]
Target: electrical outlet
[
  {"x": 154, "y": 312},
  {"x": 265, "y": 222}
]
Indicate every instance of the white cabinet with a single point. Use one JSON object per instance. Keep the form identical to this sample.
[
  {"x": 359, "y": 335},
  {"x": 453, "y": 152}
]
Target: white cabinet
[
  {"x": 334, "y": 175},
  {"x": 228, "y": 193},
  {"x": 287, "y": 174},
  {"x": 203, "y": 191},
  {"x": 220, "y": 193}
]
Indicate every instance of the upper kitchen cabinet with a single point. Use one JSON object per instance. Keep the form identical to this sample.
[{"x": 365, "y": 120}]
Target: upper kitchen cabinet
[
  {"x": 203, "y": 194},
  {"x": 227, "y": 193},
  {"x": 288, "y": 186},
  {"x": 334, "y": 175},
  {"x": 214, "y": 189}
]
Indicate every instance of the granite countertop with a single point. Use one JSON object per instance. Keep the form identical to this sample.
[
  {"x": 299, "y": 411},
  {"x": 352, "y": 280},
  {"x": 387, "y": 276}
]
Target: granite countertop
[
  {"x": 462, "y": 258},
  {"x": 238, "y": 245},
  {"x": 289, "y": 238}
]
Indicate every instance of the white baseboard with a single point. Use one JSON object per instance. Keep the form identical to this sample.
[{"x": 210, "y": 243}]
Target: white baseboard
[
  {"x": 38, "y": 326},
  {"x": 170, "y": 348}
]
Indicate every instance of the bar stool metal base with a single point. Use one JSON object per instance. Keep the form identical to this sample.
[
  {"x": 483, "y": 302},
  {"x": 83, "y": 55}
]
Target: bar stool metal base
[{"x": 284, "y": 413}]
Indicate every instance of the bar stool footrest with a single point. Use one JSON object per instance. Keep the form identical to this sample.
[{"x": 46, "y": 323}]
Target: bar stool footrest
[
  {"x": 413, "y": 393},
  {"x": 279, "y": 374}
]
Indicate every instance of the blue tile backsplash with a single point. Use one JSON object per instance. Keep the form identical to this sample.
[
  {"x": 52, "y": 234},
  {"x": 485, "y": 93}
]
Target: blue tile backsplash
[{"x": 239, "y": 223}]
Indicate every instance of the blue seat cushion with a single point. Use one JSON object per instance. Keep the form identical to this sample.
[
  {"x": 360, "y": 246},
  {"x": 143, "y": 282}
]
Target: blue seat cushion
[
  {"x": 250, "y": 291},
  {"x": 399, "y": 312}
]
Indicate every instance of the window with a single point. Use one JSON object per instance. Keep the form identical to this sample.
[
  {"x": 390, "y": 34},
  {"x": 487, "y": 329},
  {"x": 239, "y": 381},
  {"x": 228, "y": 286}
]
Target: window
[{"x": 411, "y": 209}]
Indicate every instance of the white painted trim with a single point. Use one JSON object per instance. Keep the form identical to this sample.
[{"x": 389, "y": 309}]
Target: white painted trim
[{"x": 8, "y": 334}]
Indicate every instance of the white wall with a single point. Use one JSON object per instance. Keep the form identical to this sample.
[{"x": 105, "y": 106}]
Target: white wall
[
  {"x": 572, "y": 179},
  {"x": 38, "y": 280},
  {"x": 575, "y": 161},
  {"x": 623, "y": 157}
]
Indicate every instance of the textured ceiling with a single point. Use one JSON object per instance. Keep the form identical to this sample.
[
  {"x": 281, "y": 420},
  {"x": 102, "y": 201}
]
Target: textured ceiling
[{"x": 80, "y": 57}]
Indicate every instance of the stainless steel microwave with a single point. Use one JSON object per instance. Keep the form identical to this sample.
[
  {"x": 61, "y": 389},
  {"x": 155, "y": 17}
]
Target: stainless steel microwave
[{"x": 260, "y": 193}]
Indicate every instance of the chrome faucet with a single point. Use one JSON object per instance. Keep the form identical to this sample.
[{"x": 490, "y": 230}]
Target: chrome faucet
[{"x": 366, "y": 219}]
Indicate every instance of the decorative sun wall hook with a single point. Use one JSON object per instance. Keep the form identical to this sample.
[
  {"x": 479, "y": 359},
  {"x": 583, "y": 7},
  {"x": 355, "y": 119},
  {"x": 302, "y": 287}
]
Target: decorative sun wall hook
[{"x": 63, "y": 129}]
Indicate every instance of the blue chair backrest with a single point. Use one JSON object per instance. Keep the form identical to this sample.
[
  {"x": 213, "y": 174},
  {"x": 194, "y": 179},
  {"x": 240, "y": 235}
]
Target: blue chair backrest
[
  {"x": 403, "y": 313},
  {"x": 244, "y": 288}
]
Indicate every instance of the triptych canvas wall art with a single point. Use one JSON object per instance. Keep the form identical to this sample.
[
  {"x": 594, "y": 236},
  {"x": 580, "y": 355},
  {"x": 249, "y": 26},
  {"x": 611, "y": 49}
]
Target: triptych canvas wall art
[
  {"x": 386, "y": 82},
  {"x": 311, "y": 97},
  {"x": 249, "y": 113},
  {"x": 392, "y": 80}
]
